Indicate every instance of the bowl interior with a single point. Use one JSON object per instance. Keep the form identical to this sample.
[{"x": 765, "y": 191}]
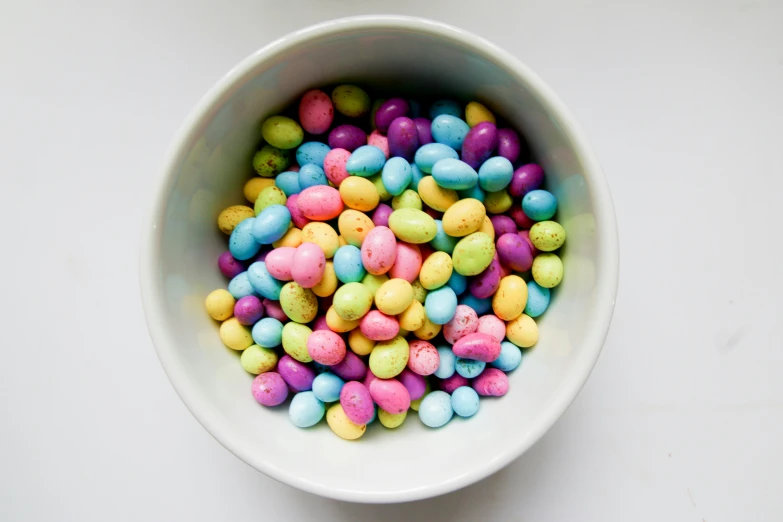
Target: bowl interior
[{"x": 207, "y": 168}]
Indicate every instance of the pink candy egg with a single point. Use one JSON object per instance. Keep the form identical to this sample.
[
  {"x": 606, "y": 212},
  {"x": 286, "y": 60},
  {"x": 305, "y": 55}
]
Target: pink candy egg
[
  {"x": 326, "y": 347},
  {"x": 390, "y": 395},
  {"x": 486, "y": 283},
  {"x": 334, "y": 165},
  {"x": 452, "y": 383},
  {"x": 316, "y": 112},
  {"x": 379, "y": 140},
  {"x": 279, "y": 262},
  {"x": 269, "y": 389},
  {"x": 423, "y": 357},
  {"x": 491, "y": 382},
  {"x": 357, "y": 402},
  {"x": 520, "y": 218},
  {"x": 464, "y": 322},
  {"x": 477, "y": 346},
  {"x": 320, "y": 203},
  {"x": 351, "y": 368},
  {"x": 377, "y": 326},
  {"x": 309, "y": 264},
  {"x": 525, "y": 234},
  {"x": 297, "y": 217},
  {"x": 274, "y": 310},
  {"x": 379, "y": 250},
  {"x": 380, "y": 217},
  {"x": 407, "y": 263},
  {"x": 414, "y": 383},
  {"x": 368, "y": 378},
  {"x": 492, "y": 325}
]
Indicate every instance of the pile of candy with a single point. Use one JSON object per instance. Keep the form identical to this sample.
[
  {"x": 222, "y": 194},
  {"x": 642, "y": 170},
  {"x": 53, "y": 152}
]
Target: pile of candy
[{"x": 363, "y": 309}]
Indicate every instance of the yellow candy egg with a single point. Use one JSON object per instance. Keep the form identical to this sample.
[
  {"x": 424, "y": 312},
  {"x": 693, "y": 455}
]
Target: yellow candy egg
[
  {"x": 389, "y": 358},
  {"x": 498, "y": 202},
  {"x": 394, "y": 296},
  {"x": 380, "y": 188},
  {"x": 360, "y": 344},
  {"x": 408, "y": 199},
  {"x": 488, "y": 228},
  {"x": 295, "y": 337},
  {"x": 257, "y": 360},
  {"x": 476, "y": 113},
  {"x": 232, "y": 216},
  {"x": 419, "y": 292},
  {"x": 299, "y": 304},
  {"x": 220, "y": 304},
  {"x": 473, "y": 254},
  {"x": 391, "y": 420},
  {"x": 354, "y": 226},
  {"x": 436, "y": 270},
  {"x": 510, "y": 298},
  {"x": 352, "y": 301},
  {"x": 359, "y": 193},
  {"x": 436, "y": 196},
  {"x": 412, "y": 318},
  {"x": 254, "y": 186},
  {"x": 547, "y": 235},
  {"x": 269, "y": 196},
  {"x": 292, "y": 238},
  {"x": 337, "y": 323},
  {"x": 464, "y": 217},
  {"x": 341, "y": 425},
  {"x": 412, "y": 226},
  {"x": 374, "y": 282},
  {"x": 322, "y": 235},
  {"x": 547, "y": 270},
  {"x": 235, "y": 335},
  {"x": 328, "y": 283},
  {"x": 428, "y": 331},
  {"x": 522, "y": 331},
  {"x": 341, "y": 241}
]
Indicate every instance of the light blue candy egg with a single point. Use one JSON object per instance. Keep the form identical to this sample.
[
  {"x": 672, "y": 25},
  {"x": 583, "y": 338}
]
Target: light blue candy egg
[
  {"x": 271, "y": 224},
  {"x": 458, "y": 283},
  {"x": 306, "y": 410},
  {"x": 480, "y": 306},
  {"x": 495, "y": 174},
  {"x": 242, "y": 244},
  {"x": 311, "y": 175},
  {"x": 312, "y": 152},
  {"x": 454, "y": 174},
  {"x": 447, "y": 365},
  {"x": 240, "y": 286},
  {"x": 327, "y": 387},
  {"x": 348, "y": 265},
  {"x": 539, "y": 205},
  {"x": 509, "y": 358},
  {"x": 429, "y": 154},
  {"x": 268, "y": 332},
  {"x": 288, "y": 182},
  {"x": 416, "y": 176},
  {"x": 474, "y": 192},
  {"x": 465, "y": 401},
  {"x": 449, "y": 130},
  {"x": 263, "y": 282},
  {"x": 365, "y": 161},
  {"x": 396, "y": 175},
  {"x": 435, "y": 409},
  {"x": 442, "y": 241},
  {"x": 440, "y": 305},
  {"x": 469, "y": 368},
  {"x": 445, "y": 107},
  {"x": 537, "y": 299}
]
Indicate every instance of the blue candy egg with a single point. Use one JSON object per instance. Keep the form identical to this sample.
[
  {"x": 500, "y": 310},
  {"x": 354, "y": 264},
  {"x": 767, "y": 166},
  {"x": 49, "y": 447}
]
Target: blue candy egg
[
  {"x": 445, "y": 107},
  {"x": 306, "y": 410},
  {"x": 469, "y": 368},
  {"x": 242, "y": 244},
  {"x": 435, "y": 409},
  {"x": 474, "y": 192},
  {"x": 465, "y": 401},
  {"x": 271, "y": 224},
  {"x": 440, "y": 305},
  {"x": 396, "y": 175},
  {"x": 449, "y": 130},
  {"x": 312, "y": 152},
  {"x": 495, "y": 174},
  {"x": 537, "y": 299},
  {"x": 348, "y": 265},
  {"x": 509, "y": 358},
  {"x": 288, "y": 182},
  {"x": 327, "y": 387},
  {"x": 240, "y": 286},
  {"x": 458, "y": 283},
  {"x": 416, "y": 176},
  {"x": 429, "y": 154},
  {"x": 448, "y": 362},
  {"x": 454, "y": 174},
  {"x": 480, "y": 306},
  {"x": 442, "y": 241},
  {"x": 365, "y": 161},
  {"x": 268, "y": 332},
  {"x": 539, "y": 205},
  {"x": 263, "y": 282},
  {"x": 311, "y": 175}
]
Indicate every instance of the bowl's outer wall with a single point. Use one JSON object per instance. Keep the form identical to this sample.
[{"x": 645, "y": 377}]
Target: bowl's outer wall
[{"x": 210, "y": 161}]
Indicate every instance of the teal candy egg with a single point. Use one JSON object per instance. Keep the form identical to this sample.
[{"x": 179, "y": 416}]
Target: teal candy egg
[
  {"x": 431, "y": 153},
  {"x": 396, "y": 175},
  {"x": 263, "y": 282},
  {"x": 306, "y": 410},
  {"x": 365, "y": 161},
  {"x": 271, "y": 224},
  {"x": 495, "y": 174},
  {"x": 454, "y": 174},
  {"x": 449, "y": 130},
  {"x": 242, "y": 244},
  {"x": 288, "y": 182},
  {"x": 537, "y": 299},
  {"x": 312, "y": 152},
  {"x": 440, "y": 305}
]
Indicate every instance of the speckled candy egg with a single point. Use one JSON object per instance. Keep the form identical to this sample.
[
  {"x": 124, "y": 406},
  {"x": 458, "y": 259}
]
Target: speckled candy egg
[
  {"x": 454, "y": 174},
  {"x": 389, "y": 111},
  {"x": 509, "y": 144},
  {"x": 396, "y": 175},
  {"x": 412, "y": 226},
  {"x": 309, "y": 264},
  {"x": 407, "y": 263},
  {"x": 294, "y": 340},
  {"x": 348, "y": 137},
  {"x": 389, "y": 358},
  {"x": 435, "y": 409},
  {"x": 271, "y": 224},
  {"x": 352, "y": 301},
  {"x": 229, "y": 266},
  {"x": 379, "y": 250},
  {"x": 341, "y": 425},
  {"x": 381, "y": 215},
  {"x": 357, "y": 402},
  {"x": 334, "y": 165},
  {"x": 509, "y": 359},
  {"x": 394, "y": 296},
  {"x": 539, "y": 205},
  {"x": 424, "y": 130},
  {"x": 297, "y": 375},
  {"x": 299, "y": 304},
  {"x": 390, "y": 395},
  {"x": 547, "y": 270},
  {"x": 526, "y": 178},
  {"x": 464, "y": 217},
  {"x": 326, "y": 347},
  {"x": 263, "y": 282},
  {"x": 479, "y": 144},
  {"x": 492, "y": 325},
  {"x": 547, "y": 236},
  {"x": 477, "y": 346},
  {"x": 306, "y": 410},
  {"x": 428, "y": 155},
  {"x": 316, "y": 112},
  {"x": 514, "y": 252},
  {"x": 486, "y": 283},
  {"x": 465, "y": 401},
  {"x": 248, "y": 310},
  {"x": 495, "y": 174},
  {"x": 503, "y": 225},
  {"x": 435, "y": 196},
  {"x": 441, "y": 305},
  {"x": 229, "y": 218},
  {"x": 242, "y": 245},
  {"x": 473, "y": 254},
  {"x": 522, "y": 331},
  {"x": 510, "y": 299},
  {"x": 376, "y": 139},
  {"x": 469, "y": 368},
  {"x": 269, "y": 389},
  {"x": 365, "y": 161},
  {"x": 436, "y": 270},
  {"x": 282, "y": 132},
  {"x": 423, "y": 357},
  {"x": 464, "y": 322},
  {"x": 492, "y": 382},
  {"x": 537, "y": 299},
  {"x": 452, "y": 383},
  {"x": 350, "y": 100},
  {"x": 449, "y": 130},
  {"x": 378, "y": 326},
  {"x": 279, "y": 263},
  {"x": 320, "y": 203},
  {"x": 403, "y": 137},
  {"x": 414, "y": 383}
]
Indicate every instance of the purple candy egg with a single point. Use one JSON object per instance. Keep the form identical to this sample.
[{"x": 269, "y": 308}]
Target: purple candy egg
[
  {"x": 509, "y": 145},
  {"x": 486, "y": 283},
  {"x": 269, "y": 389},
  {"x": 414, "y": 383},
  {"x": 520, "y": 218},
  {"x": 480, "y": 142},
  {"x": 452, "y": 383},
  {"x": 229, "y": 266},
  {"x": 526, "y": 178},
  {"x": 514, "y": 253},
  {"x": 249, "y": 310},
  {"x": 503, "y": 225},
  {"x": 351, "y": 368},
  {"x": 357, "y": 402},
  {"x": 389, "y": 111},
  {"x": 297, "y": 375},
  {"x": 348, "y": 137},
  {"x": 424, "y": 127},
  {"x": 403, "y": 138},
  {"x": 381, "y": 215}
]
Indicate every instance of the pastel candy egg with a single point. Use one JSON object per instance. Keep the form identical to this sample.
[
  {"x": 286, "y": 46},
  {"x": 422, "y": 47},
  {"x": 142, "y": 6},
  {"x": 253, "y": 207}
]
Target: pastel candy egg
[
  {"x": 509, "y": 145},
  {"x": 447, "y": 363},
  {"x": 354, "y": 226},
  {"x": 269, "y": 389},
  {"x": 288, "y": 182},
  {"x": 379, "y": 249},
  {"x": 465, "y": 401},
  {"x": 424, "y": 130},
  {"x": 254, "y": 186},
  {"x": 452, "y": 383},
  {"x": 473, "y": 254},
  {"x": 403, "y": 138},
  {"x": 240, "y": 286},
  {"x": 479, "y": 144},
  {"x": 270, "y": 196},
  {"x": 435, "y": 409},
  {"x": 298, "y": 219},
  {"x": 328, "y": 283},
  {"x": 441, "y": 305},
  {"x": 498, "y": 202},
  {"x": 428, "y": 155},
  {"x": 442, "y": 241},
  {"x": 394, "y": 296},
  {"x": 435, "y": 196},
  {"x": 356, "y": 402},
  {"x": 229, "y": 266},
  {"x": 408, "y": 199},
  {"x": 351, "y": 368},
  {"x": 436, "y": 270},
  {"x": 359, "y": 343},
  {"x": 412, "y": 226},
  {"x": 514, "y": 252},
  {"x": 322, "y": 235},
  {"x": 326, "y": 347},
  {"x": 220, "y": 304},
  {"x": 458, "y": 283},
  {"x": 373, "y": 282},
  {"x": 419, "y": 292},
  {"x": 396, "y": 175},
  {"x": 365, "y": 161},
  {"x": 503, "y": 225},
  {"x": 320, "y": 203},
  {"x": 248, "y": 310},
  {"x": 469, "y": 368},
  {"x": 299, "y": 304},
  {"x": 294, "y": 338},
  {"x": 547, "y": 236},
  {"x": 279, "y": 263},
  {"x": 476, "y": 113},
  {"x": 486, "y": 283},
  {"x": 268, "y": 332},
  {"x": 477, "y": 346},
  {"x": 428, "y": 331},
  {"x": 464, "y": 322},
  {"x": 352, "y": 301},
  {"x": 547, "y": 270},
  {"x": 311, "y": 175},
  {"x": 522, "y": 331},
  {"x": 312, "y": 152},
  {"x": 427, "y": 389},
  {"x": 492, "y": 325},
  {"x": 491, "y": 382},
  {"x": 316, "y": 112},
  {"x": 256, "y": 359},
  {"x": 270, "y": 161},
  {"x": 509, "y": 359},
  {"x": 413, "y": 382},
  {"x": 242, "y": 245},
  {"x": 495, "y": 174},
  {"x": 273, "y": 309},
  {"x": 297, "y": 375},
  {"x": 481, "y": 306},
  {"x": 271, "y": 224},
  {"x": 337, "y": 324},
  {"x": 376, "y": 139},
  {"x": 347, "y": 137},
  {"x": 390, "y": 395},
  {"x": 449, "y": 130},
  {"x": 282, "y": 132},
  {"x": 445, "y": 107},
  {"x": 464, "y": 217},
  {"x": 454, "y": 174},
  {"x": 348, "y": 264},
  {"x": 407, "y": 263},
  {"x": 306, "y": 410},
  {"x": 351, "y": 100},
  {"x": 510, "y": 299},
  {"x": 389, "y": 111},
  {"x": 378, "y": 326},
  {"x": 526, "y": 178},
  {"x": 359, "y": 193},
  {"x": 334, "y": 165},
  {"x": 229, "y": 218},
  {"x": 341, "y": 425},
  {"x": 539, "y": 205},
  {"x": 327, "y": 387},
  {"x": 391, "y": 420},
  {"x": 412, "y": 318},
  {"x": 537, "y": 299},
  {"x": 381, "y": 215},
  {"x": 263, "y": 282},
  {"x": 389, "y": 358}
]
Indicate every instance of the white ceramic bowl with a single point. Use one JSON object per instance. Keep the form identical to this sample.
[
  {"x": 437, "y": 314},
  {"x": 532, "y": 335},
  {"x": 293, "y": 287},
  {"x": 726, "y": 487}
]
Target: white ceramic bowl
[{"x": 209, "y": 161}]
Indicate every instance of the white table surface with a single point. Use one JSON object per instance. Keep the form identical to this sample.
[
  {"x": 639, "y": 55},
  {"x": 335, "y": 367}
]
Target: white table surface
[{"x": 682, "y": 419}]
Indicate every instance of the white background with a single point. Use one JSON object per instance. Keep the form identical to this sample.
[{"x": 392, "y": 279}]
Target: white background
[{"x": 682, "y": 419}]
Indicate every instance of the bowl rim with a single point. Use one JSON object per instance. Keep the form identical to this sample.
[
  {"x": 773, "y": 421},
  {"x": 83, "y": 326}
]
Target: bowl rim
[{"x": 606, "y": 230}]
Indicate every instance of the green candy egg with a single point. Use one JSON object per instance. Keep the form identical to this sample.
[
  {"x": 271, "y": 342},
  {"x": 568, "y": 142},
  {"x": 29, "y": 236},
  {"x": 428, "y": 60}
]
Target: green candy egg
[
  {"x": 377, "y": 181},
  {"x": 351, "y": 100},
  {"x": 473, "y": 254},
  {"x": 419, "y": 292},
  {"x": 295, "y": 337},
  {"x": 374, "y": 282},
  {"x": 412, "y": 225},
  {"x": 389, "y": 358},
  {"x": 257, "y": 360},
  {"x": 282, "y": 132},
  {"x": 408, "y": 199},
  {"x": 547, "y": 270},
  {"x": 352, "y": 301},
  {"x": 547, "y": 235},
  {"x": 270, "y": 161},
  {"x": 269, "y": 196},
  {"x": 299, "y": 304}
]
